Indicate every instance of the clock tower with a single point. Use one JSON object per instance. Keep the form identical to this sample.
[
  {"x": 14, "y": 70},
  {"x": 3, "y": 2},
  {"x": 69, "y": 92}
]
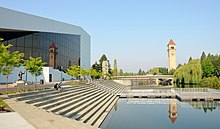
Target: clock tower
[{"x": 171, "y": 55}]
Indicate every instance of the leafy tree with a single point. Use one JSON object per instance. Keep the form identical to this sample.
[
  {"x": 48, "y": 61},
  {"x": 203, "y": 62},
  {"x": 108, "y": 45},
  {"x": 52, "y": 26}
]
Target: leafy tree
[
  {"x": 8, "y": 60},
  {"x": 215, "y": 59},
  {"x": 207, "y": 68},
  {"x": 154, "y": 71},
  {"x": 179, "y": 65},
  {"x": 83, "y": 72},
  {"x": 190, "y": 73},
  {"x": 163, "y": 71},
  {"x": 211, "y": 82},
  {"x": 34, "y": 66},
  {"x": 103, "y": 58},
  {"x": 203, "y": 56},
  {"x": 172, "y": 71},
  {"x": 190, "y": 59},
  {"x": 73, "y": 70},
  {"x": 115, "y": 69},
  {"x": 97, "y": 67},
  {"x": 140, "y": 72},
  {"x": 121, "y": 73},
  {"x": 93, "y": 73}
]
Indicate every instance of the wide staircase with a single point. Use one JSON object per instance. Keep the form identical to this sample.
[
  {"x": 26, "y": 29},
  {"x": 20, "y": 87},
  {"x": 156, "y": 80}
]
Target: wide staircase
[{"x": 89, "y": 104}]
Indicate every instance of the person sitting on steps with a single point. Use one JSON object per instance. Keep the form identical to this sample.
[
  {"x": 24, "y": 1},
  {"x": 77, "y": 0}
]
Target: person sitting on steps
[{"x": 58, "y": 86}]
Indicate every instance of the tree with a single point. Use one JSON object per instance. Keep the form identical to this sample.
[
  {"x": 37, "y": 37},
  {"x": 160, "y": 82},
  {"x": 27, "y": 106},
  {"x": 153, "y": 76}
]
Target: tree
[
  {"x": 97, "y": 67},
  {"x": 83, "y": 72},
  {"x": 179, "y": 65},
  {"x": 93, "y": 73},
  {"x": 103, "y": 58},
  {"x": 190, "y": 59},
  {"x": 9, "y": 60},
  {"x": 203, "y": 56},
  {"x": 190, "y": 73},
  {"x": 121, "y": 73},
  {"x": 215, "y": 59},
  {"x": 73, "y": 70},
  {"x": 154, "y": 71},
  {"x": 34, "y": 66},
  {"x": 115, "y": 69},
  {"x": 163, "y": 71},
  {"x": 207, "y": 68},
  {"x": 140, "y": 72},
  {"x": 172, "y": 71}
]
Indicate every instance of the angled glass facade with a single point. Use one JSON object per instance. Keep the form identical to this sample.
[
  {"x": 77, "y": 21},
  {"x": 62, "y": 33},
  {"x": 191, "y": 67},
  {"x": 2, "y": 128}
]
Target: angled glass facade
[{"x": 37, "y": 44}]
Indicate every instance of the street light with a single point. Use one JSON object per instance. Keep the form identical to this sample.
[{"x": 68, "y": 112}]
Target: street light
[{"x": 61, "y": 69}]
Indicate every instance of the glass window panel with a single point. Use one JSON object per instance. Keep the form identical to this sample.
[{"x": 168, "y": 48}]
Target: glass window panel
[
  {"x": 28, "y": 53},
  {"x": 20, "y": 41},
  {"x": 12, "y": 42},
  {"x": 28, "y": 41},
  {"x": 12, "y": 49},
  {"x": 36, "y": 40},
  {"x": 36, "y": 52},
  {"x": 20, "y": 49}
]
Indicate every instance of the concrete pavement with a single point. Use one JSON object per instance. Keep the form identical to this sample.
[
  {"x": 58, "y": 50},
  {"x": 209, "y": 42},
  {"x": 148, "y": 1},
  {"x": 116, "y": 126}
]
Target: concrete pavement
[
  {"x": 13, "y": 120},
  {"x": 40, "y": 119}
]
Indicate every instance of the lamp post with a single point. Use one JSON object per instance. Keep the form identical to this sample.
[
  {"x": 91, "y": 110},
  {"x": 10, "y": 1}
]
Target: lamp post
[{"x": 61, "y": 68}]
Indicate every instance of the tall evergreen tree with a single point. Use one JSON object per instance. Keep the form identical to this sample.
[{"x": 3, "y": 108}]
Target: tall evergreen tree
[
  {"x": 115, "y": 69},
  {"x": 97, "y": 67},
  {"x": 103, "y": 58},
  {"x": 179, "y": 65},
  {"x": 203, "y": 56},
  {"x": 190, "y": 59},
  {"x": 207, "y": 68},
  {"x": 140, "y": 72},
  {"x": 121, "y": 73}
]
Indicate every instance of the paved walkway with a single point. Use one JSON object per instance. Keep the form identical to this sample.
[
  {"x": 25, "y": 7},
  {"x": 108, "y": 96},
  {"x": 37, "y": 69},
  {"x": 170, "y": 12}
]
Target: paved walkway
[
  {"x": 13, "y": 120},
  {"x": 40, "y": 119}
]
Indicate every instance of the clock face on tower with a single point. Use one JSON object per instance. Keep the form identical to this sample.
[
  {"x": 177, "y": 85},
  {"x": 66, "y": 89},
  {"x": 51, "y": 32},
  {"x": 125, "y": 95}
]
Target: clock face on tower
[{"x": 172, "y": 54}]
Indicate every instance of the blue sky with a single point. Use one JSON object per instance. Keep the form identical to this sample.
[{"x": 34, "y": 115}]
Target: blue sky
[{"x": 136, "y": 32}]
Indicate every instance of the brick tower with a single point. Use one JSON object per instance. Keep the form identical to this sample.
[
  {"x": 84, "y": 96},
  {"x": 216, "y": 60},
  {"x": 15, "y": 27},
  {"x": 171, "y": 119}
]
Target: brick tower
[
  {"x": 53, "y": 53},
  {"x": 171, "y": 55},
  {"x": 173, "y": 110}
]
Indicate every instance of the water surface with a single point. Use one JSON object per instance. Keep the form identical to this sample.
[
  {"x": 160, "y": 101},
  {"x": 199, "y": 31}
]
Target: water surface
[{"x": 161, "y": 114}]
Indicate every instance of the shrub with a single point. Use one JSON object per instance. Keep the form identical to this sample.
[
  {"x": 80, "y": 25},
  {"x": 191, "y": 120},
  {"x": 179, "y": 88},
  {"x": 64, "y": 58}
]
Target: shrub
[
  {"x": 3, "y": 105},
  {"x": 211, "y": 82}
]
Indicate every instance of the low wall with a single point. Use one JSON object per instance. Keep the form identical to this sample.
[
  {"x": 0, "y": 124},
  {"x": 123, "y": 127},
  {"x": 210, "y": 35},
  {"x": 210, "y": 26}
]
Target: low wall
[{"x": 124, "y": 82}]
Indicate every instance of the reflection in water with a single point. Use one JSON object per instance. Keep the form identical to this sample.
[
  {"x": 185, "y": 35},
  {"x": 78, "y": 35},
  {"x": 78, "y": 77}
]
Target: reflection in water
[
  {"x": 173, "y": 110},
  {"x": 143, "y": 113}
]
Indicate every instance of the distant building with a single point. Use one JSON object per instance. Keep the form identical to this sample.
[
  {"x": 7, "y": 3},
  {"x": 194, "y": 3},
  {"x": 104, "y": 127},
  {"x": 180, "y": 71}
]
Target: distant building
[
  {"x": 105, "y": 67},
  {"x": 171, "y": 55}
]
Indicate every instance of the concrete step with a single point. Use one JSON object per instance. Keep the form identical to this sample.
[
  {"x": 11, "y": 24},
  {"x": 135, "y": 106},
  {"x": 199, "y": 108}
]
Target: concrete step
[
  {"x": 49, "y": 99},
  {"x": 28, "y": 93},
  {"x": 85, "y": 107},
  {"x": 65, "y": 100},
  {"x": 84, "y": 114},
  {"x": 50, "y": 92},
  {"x": 72, "y": 103},
  {"x": 60, "y": 98},
  {"x": 98, "y": 121},
  {"x": 61, "y": 93},
  {"x": 77, "y": 105},
  {"x": 97, "y": 111}
]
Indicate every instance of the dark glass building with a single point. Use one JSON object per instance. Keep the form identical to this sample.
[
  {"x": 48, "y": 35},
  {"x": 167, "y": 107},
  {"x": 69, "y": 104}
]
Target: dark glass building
[
  {"x": 37, "y": 44},
  {"x": 33, "y": 36}
]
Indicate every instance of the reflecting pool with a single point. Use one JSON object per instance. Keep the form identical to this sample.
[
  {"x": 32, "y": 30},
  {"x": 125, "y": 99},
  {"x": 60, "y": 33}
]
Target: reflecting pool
[{"x": 162, "y": 114}]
